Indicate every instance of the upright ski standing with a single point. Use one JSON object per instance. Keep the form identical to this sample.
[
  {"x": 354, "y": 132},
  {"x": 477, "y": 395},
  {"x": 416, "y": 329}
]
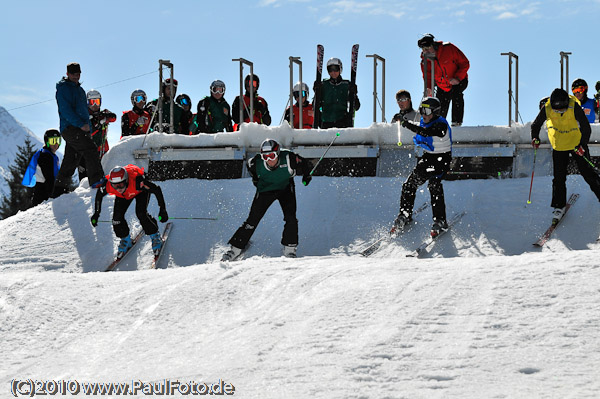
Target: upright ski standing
[
  {"x": 353, "y": 83},
  {"x": 317, "y": 88}
]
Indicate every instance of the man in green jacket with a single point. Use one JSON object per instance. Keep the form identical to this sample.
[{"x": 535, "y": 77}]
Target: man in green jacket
[
  {"x": 272, "y": 172},
  {"x": 335, "y": 98}
]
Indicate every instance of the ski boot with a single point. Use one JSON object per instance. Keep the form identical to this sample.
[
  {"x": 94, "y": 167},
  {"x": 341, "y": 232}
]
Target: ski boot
[
  {"x": 438, "y": 228},
  {"x": 400, "y": 223},
  {"x": 124, "y": 246},
  {"x": 156, "y": 242},
  {"x": 289, "y": 251},
  {"x": 557, "y": 214},
  {"x": 232, "y": 254}
]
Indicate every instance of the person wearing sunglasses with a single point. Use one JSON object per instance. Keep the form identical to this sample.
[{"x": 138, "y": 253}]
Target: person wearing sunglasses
[
  {"x": 450, "y": 75},
  {"x": 260, "y": 106},
  {"x": 213, "y": 112},
  {"x": 569, "y": 132},
  {"x": 272, "y": 171},
  {"x": 43, "y": 168},
  {"x": 579, "y": 88},
  {"x": 99, "y": 120},
  {"x": 334, "y": 101},
  {"x": 301, "y": 94},
  {"x": 433, "y": 136},
  {"x": 126, "y": 184},
  {"x": 406, "y": 108},
  {"x": 75, "y": 129},
  {"x": 137, "y": 119}
]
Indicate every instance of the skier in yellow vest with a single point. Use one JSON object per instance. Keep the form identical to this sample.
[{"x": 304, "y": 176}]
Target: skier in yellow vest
[{"x": 569, "y": 132}]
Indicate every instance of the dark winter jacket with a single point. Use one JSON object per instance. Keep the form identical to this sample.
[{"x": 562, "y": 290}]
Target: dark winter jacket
[
  {"x": 180, "y": 125},
  {"x": 335, "y": 101},
  {"x": 41, "y": 173},
  {"x": 99, "y": 121},
  {"x": 290, "y": 165},
  {"x": 72, "y": 105},
  {"x": 261, "y": 110},
  {"x": 214, "y": 116},
  {"x": 449, "y": 63}
]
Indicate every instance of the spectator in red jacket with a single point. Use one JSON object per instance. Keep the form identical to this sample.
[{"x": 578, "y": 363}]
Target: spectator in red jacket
[{"x": 450, "y": 74}]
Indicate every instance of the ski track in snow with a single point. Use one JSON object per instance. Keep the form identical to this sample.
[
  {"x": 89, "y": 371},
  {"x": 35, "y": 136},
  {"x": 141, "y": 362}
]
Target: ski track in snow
[{"x": 482, "y": 315}]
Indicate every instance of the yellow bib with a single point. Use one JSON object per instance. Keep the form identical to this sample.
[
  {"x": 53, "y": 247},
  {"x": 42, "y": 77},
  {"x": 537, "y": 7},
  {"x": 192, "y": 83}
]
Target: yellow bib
[{"x": 563, "y": 129}]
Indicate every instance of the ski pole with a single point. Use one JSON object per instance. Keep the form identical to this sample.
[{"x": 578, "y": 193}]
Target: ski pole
[
  {"x": 323, "y": 156},
  {"x": 532, "y": 172}
]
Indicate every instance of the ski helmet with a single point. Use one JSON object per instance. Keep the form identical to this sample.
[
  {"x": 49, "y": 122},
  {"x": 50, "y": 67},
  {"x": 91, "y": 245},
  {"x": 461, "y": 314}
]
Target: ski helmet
[
  {"x": 426, "y": 40},
  {"x": 167, "y": 82},
  {"x": 94, "y": 97},
  {"x": 334, "y": 61},
  {"x": 118, "y": 175},
  {"x": 183, "y": 99},
  {"x": 255, "y": 79},
  {"x": 430, "y": 105},
  {"x": 51, "y": 137},
  {"x": 270, "y": 145},
  {"x": 297, "y": 89},
  {"x": 217, "y": 84},
  {"x": 137, "y": 96},
  {"x": 579, "y": 86},
  {"x": 559, "y": 99}
]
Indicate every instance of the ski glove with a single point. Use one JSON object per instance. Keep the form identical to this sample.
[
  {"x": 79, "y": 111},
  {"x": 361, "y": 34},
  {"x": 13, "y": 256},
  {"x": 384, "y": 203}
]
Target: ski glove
[
  {"x": 579, "y": 150},
  {"x": 163, "y": 216},
  {"x": 306, "y": 179},
  {"x": 94, "y": 219},
  {"x": 535, "y": 143}
]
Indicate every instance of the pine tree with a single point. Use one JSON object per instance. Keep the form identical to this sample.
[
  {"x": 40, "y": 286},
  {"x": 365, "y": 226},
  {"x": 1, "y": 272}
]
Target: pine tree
[{"x": 19, "y": 198}]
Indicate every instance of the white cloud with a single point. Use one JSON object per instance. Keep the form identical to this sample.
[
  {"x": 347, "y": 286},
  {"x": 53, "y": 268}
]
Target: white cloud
[{"x": 506, "y": 15}]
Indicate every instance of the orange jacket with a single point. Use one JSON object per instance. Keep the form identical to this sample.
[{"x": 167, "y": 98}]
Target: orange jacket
[{"x": 449, "y": 63}]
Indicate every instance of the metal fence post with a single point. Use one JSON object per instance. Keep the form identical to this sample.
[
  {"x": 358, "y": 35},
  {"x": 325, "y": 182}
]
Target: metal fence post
[
  {"x": 243, "y": 61},
  {"x": 169, "y": 65},
  {"x": 295, "y": 60},
  {"x": 564, "y": 56},
  {"x": 512, "y": 55},
  {"x": 375, "y": 98}
]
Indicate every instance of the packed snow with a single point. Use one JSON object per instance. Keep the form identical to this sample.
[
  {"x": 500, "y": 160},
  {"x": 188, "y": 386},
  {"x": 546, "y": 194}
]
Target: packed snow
[{"x": 483, "y": 314}]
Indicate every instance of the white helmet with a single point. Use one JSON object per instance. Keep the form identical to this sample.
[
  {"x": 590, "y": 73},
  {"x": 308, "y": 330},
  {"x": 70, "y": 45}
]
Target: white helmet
[
  {"x": 304, "y": 88},
  {"x": 335, "y": 61}
]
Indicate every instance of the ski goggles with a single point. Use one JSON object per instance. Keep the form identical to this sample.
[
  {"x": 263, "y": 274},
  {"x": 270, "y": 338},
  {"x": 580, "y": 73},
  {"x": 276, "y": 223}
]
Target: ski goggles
[
  {"x": 139, "y": 99},
  {"x": 297, "y": 93},
  {"x": 184, "y": 101},
  {"x": 403, "y": 99},
  {"x": 425, "y": 110},
  {"x": 333, "y": 68},
  {"x": 217, "y": 90},
  {"x": 53, "y": 141},
  {"x": 269, "y": 155},
  {"x": 119, "y": 186},
  {"x": 94, "y": 101},
  {"x": 580, "y": 89}
]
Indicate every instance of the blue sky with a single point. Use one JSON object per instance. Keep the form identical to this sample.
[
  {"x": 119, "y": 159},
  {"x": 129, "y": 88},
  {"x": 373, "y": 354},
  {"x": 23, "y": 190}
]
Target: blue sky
[{"x": 118, "y": 45}]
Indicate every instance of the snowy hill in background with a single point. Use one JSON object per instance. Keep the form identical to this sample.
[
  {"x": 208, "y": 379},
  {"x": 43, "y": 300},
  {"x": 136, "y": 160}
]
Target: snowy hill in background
[
  {"x": 12, "y": 134},
  {"x": 483, "y": 315}
]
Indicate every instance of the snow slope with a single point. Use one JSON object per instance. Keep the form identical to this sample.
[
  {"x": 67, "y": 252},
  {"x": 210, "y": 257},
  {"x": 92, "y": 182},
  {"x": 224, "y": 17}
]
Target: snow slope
[{"x": 483, "y": 315}]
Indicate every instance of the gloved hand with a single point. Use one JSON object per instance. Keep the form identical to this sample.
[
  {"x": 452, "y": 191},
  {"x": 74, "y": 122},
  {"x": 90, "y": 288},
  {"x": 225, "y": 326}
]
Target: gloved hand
[
  {"x": 535, "y": 143},
  {"x": 579, "y": 150},
  {"x": 163, "y": 216},
  {"x": 151, "y": 108},
  {"x": 94, "y": 219},
  {"x": 306, "y": 179}
]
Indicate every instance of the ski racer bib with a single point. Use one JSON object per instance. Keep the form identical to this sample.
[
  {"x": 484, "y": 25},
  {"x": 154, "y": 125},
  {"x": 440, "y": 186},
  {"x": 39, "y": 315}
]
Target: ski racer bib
[{"x": 563, "y": 129}]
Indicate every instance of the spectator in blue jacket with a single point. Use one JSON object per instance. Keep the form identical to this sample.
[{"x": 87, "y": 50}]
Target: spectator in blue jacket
[
  {"x": 75, "y": 130},
  {"x": 580, "y": 90}
]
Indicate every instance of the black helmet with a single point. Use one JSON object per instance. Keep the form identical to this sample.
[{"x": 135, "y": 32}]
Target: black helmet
[
  {"x": 137, "y": 96},
  {"x": 559, "y": 99},
  {"x": 183, "y": 99},
  {"x": 270, "y": 145},
  {"x": 255, "y": 79},
  {"x": 430, "y": 105},
  {"x": 217, "y": 84},
  {"x": 425, "y": 41},
  {"x": 51, "y": 134},
  {"x": 581, "y": 84}
]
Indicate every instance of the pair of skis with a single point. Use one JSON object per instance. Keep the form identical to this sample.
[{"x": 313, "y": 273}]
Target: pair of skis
[
  {"x": 546, "y": 236},
  {"x": 318, "y": 84},
  {"x": 135, "y": 240}
]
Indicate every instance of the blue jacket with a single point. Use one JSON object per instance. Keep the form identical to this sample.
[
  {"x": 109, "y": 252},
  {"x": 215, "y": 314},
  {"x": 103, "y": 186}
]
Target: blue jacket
[
  {"x": 29, "y": 177},
  {"x": 434, "y": 144},
  {"x": 588, "y": 109},
  {"x": 72, "y": 104}
]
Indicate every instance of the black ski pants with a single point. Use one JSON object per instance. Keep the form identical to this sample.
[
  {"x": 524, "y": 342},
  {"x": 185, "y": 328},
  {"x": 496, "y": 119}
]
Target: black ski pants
[
  {"x": 79, "y": 144},
  {"x": 260, "y": 204},
  {"x": 430, "y": 168},
  {"x": 120, "y": 226},
  {"x": 458, "y": 101},
  {"x": 560, "y": 162}
]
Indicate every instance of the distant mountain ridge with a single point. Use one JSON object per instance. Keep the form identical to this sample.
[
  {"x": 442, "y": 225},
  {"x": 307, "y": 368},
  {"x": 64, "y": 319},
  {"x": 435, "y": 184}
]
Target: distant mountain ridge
[{"x": 12, "y": 135}]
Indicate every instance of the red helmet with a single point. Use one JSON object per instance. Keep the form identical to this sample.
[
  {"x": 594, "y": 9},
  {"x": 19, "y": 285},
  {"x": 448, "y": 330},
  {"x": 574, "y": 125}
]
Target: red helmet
[{"x": 118, "y": 175}]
